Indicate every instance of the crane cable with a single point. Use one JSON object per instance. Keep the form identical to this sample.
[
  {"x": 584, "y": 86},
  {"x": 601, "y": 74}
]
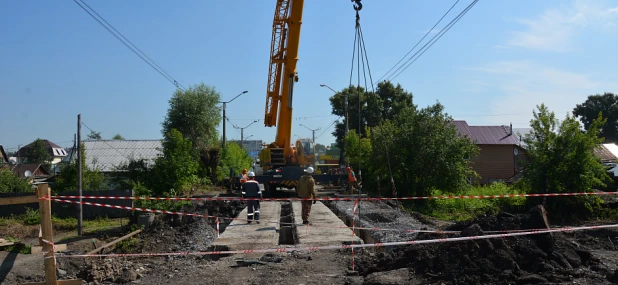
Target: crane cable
[{"x": 359, "y": 44}]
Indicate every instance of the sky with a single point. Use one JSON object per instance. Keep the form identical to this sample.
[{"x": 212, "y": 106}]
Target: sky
[{"x": 492, "y": 67}]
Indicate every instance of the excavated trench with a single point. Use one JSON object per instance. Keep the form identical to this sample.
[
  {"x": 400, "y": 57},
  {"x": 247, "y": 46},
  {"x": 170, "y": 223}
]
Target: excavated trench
[{"x": 287, "y": 230}]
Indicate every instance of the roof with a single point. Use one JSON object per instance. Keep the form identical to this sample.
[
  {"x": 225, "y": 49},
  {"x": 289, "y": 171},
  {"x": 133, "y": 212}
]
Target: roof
[
  {"x": 107, "y": 155},
  {"x": 3, "y": 158},
  {"x": 488, "y": 135},
  {"x": 21, "y": 169},
  {"x": 52, "y": 148},
  {"x": 607, "y": 152}
]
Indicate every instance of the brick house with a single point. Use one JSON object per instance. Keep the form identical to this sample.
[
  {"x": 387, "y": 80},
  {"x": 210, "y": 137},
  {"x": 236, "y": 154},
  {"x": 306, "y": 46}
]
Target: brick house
[{"x": 500, "y": 155}]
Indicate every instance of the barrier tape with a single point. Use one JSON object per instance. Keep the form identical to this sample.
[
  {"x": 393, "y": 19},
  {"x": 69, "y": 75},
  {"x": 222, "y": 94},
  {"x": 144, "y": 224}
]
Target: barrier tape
[
  {"x": 217, "y": 223},
  {"x": 337, "y": 198},
  {"x": 314, "y": 248},
  {"x": 267, "y": 222}
]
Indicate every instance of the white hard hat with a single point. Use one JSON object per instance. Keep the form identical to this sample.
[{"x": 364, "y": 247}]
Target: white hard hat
[
  {"x": 309, "y": 169},
  {"x": 251, "y": 174}
]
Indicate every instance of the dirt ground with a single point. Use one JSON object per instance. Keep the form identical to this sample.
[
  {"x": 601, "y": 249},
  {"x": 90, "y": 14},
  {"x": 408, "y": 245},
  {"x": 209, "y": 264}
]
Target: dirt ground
[{"x": 586, "y": 257}]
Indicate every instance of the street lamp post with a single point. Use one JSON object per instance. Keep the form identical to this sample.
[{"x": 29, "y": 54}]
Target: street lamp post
[
  {"x": 225, "y": 118},
  {"x": 313, "y": 140},
  {"x": 347, "y": 128},
  {"x": 242, "y": 134}
]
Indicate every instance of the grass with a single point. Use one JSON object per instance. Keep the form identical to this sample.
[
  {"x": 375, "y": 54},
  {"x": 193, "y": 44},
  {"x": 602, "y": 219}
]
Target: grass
[
  {"x": 465, "y": 209},
  {"x": 32, "y": 217}
]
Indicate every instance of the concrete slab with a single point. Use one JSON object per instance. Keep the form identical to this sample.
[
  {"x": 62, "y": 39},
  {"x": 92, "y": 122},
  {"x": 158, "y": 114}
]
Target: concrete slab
[
  {"x": 322, "y": 231},
  {"x": 240, "y": 235}
]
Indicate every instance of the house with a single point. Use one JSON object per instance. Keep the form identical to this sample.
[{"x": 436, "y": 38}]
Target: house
[
  {"x": 500, "y": 155},
  {"x": 56, "y": 152},
  {"x": 108, "y": 155},
  {"x": 35, "y": 172},
  {"x": 4, "y": 159}
]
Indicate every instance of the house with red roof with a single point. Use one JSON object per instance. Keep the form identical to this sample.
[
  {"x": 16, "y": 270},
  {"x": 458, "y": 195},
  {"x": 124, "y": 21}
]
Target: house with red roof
[{"x": 500, "y": 156}]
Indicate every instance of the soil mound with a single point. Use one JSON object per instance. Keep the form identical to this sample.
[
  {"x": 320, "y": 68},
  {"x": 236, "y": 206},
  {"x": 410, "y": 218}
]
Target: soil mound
[{"x": 541, "y": 258}]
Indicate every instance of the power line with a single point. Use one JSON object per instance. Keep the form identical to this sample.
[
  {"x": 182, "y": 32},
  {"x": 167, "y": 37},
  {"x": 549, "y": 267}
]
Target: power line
[
  {"x": 432, "y": 41},
  {"x": 143, "y": 55},
  {"x": 428, "y": 32}
]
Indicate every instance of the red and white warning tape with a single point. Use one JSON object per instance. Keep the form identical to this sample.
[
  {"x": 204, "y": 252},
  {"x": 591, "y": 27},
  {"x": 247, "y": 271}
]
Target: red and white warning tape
[
  {"x": 341, "y": 199},
  {"x": 314, "y": 248},
  {"x": 266, "y": 222}
]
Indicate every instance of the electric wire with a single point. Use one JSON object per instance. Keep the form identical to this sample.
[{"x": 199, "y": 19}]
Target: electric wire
[{"x": 417, "y": 43}]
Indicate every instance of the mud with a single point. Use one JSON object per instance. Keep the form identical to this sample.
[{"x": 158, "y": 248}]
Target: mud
[{"x": 543, "y": 258}]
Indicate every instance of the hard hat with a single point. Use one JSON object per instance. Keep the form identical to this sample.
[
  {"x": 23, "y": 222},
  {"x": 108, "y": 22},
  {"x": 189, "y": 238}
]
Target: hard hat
[
  {"x": 251, "y": 174},
  {"x": 309, "y": 169}
]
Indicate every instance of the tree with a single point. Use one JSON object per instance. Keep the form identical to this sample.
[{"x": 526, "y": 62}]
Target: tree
[
  {"x": 37, "y": 152},
  {"x": 177, "y": 169},
  {"x": 92, "y": 179},
  {"x": 607, "y": 105},
  {"x": 423, "y": 151},
  {"x": 561, "y": 157},
  {"x": 195, "y": 114},
  {"x": 236, "y": 158},
  {"x": 118, "y": 137},
  {"x": 94, "y": 135},
  {"x": 355, "y": 153},
  {"x": 320, "y": 148}
]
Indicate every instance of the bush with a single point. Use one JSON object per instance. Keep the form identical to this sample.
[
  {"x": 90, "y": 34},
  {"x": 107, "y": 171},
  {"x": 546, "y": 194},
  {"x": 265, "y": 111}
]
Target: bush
[
  {"x": 464, "y": 209},
  {"x": 9, "y": 183}
]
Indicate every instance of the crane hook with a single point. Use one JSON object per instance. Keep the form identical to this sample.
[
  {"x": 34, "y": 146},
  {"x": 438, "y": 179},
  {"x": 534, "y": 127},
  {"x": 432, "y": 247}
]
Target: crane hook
[{"x": 358, "y": 6}]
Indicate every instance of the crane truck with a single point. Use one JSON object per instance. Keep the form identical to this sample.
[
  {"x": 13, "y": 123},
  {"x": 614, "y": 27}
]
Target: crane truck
[{"x": 283, "y": 163}]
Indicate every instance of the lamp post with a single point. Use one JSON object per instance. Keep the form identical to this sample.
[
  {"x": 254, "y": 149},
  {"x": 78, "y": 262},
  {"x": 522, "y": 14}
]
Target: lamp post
[
  {"x": 225, "y": 118},
  {"x": 313, "y": 140},
  {"x": 347, "y": 128},
  {"x": 242, "y": 133}
]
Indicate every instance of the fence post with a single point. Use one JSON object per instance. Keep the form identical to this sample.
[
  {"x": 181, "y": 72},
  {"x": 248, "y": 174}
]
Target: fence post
[{"x": 43, "y": 190}]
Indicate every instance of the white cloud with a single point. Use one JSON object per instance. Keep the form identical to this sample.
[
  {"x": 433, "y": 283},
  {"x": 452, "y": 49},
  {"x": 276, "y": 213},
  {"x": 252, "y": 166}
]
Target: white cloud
[
  {"x": 523, "y": 85},
  {"x": 556, "y": 28}
]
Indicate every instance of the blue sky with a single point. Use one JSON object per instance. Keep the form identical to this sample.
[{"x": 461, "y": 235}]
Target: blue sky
[{"x": 493, "y": 67}]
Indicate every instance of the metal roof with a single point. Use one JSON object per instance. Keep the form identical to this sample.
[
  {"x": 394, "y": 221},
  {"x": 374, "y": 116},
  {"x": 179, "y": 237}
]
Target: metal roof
[
  {"x": 487, "y": 134},
  {"x": 107, "y": 155}
]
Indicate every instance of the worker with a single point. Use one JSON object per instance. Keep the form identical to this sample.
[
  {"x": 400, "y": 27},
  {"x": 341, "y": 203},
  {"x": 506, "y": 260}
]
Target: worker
[
  {"x": 243, "y": 176},
  {"x": 306, "y": 189},
  {"x": 351, "y": 180},
  {"x": 251, "y": 189}
]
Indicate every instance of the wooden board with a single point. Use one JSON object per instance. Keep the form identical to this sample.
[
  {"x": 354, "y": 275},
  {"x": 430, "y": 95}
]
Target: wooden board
[
  {"x": 19, "y": 200},
  {"x": 60, "y": 282}
]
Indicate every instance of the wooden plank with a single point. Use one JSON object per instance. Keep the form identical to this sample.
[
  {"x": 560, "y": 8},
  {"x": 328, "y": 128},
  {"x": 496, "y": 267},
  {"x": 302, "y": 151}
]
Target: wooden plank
[
  {"x": 6, "y": 243},
  {"x": 46, "y": 227},
  {"x": 35, "y": 249},
  {"x": 60, "y": 282},
  {"x": 18, "y": 200},
  {"x": 114, "y": 242}
]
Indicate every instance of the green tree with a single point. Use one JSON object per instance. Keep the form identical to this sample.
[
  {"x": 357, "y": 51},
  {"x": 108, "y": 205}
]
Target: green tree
[
  {"x": 118, "y": 137},
  {"x": 320, "y": 148},
  {"x": 37, "y": 152},
  {"x": 10, "y": 183},
  {"x": 195, "y": 114},
  {"x": 92, "y": 179},
  {"x": 424, "y": 150},
  {"x": 94, "y": 135},
  {"x": 355, "y": 153},
  {"x": 234, "y": 157},
  {"x": 177, "y": 169},
  {"x": 607, "y": 105},
  {"x": 561, "y": 157}
]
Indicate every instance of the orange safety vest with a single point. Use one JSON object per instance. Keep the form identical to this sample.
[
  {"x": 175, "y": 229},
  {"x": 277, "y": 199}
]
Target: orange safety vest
[{"x": 351, "y": 177}]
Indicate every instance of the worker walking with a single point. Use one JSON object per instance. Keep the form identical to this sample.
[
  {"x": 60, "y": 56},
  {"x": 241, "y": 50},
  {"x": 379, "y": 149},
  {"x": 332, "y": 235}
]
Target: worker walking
[
  {"x": 251, "y": 189},
  {"x": 306, "y": 189},
  {"x": 351, "y": 181}
]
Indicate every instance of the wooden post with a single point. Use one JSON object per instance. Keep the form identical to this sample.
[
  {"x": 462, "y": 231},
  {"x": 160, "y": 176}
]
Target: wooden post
[{"x": 43, "y": 190}]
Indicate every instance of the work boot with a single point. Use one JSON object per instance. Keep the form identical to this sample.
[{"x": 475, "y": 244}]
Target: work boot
[
  {"x": 305, "y": 222},
  {"x": 258, "y": 222},
  {"x": 248, "y": 222}
]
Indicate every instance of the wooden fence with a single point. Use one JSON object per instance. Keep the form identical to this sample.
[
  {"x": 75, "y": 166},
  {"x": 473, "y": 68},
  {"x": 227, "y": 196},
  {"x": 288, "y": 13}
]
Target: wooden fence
[{"x": 64, "y": 210}]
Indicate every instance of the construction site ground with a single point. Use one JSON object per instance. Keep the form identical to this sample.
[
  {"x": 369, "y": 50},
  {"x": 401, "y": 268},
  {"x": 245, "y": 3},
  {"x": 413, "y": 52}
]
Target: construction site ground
[{"x": 583, "y": 257}]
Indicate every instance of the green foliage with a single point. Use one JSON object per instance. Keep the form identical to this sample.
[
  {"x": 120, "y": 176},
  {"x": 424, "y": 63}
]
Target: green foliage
[
  {"x": 92, "y": 179},
  {"x": 94, "y": 135},
  {"x": 234, "y": 157},
  {"x": 117, "y": 137},
  {"x": 465, "y": 209},
  {"x": 589, "y": 111},
  {"x": 10, "y": 183},
  {"x": 31, "y": 217},
  {"x": 177, "y": 168},
  {"x": 356, "y": 154},
  {"x": 37, "y": 152},
  {"x": 320, "y": 148},
  {"x": 561, "y": 158},
  {"x": 195, "y": 114},
  {"x": 424, "y": 150}
]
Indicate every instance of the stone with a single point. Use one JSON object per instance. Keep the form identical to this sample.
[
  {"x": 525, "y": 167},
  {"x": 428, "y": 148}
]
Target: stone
[
  {"x": 531, "y": 279},
  {"x": 473, "y": 230},
  {"x": 393, "y": 277}
]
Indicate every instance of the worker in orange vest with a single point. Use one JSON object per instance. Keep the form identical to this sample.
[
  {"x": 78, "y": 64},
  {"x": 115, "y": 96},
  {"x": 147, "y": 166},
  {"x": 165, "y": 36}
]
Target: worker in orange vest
[
  {"x": 243, "y": 177},
  {"x": 351, "y": 180}
]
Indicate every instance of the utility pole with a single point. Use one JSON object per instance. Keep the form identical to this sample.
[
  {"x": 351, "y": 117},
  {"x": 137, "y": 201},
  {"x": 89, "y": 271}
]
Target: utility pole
[
  {"x": 242, "y": 134},
  {"x": 313, "y": 140},
  {"x": 79, "y": 172},
  {"x": 225, "y": 118}
]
